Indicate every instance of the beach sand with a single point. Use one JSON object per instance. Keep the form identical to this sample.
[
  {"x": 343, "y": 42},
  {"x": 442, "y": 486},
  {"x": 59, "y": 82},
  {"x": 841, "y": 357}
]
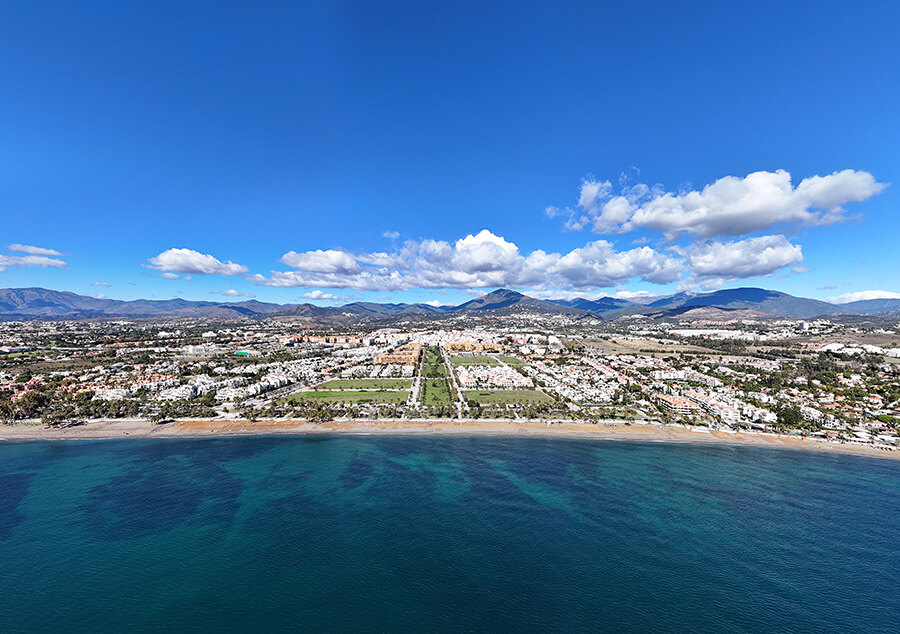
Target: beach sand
[{"x": 606, "y": 430}]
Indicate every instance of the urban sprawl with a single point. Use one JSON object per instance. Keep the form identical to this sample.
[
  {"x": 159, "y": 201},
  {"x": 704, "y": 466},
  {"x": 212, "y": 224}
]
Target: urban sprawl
[{"x": 810, "y": 378}]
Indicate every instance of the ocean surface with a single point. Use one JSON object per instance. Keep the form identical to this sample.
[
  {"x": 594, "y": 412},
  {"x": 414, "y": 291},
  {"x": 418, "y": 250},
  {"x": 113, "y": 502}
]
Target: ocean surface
[{"x": 424, "y": 534}]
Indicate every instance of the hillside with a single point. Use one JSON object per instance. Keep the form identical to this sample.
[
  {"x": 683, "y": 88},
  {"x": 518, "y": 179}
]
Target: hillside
[{"x": 39, "y": 303}]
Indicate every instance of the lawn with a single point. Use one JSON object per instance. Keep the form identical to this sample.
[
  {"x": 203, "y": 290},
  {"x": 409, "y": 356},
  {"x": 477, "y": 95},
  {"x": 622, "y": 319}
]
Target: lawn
[
  {"x": 380, "y": 396},
  {"x": 367, "y": 384},
  {"x": 505, "y": 397},
  {"x": 473, "y": 361},
  {"x": 435, "y": 370},
  {"x": 513, "y": 361},
  {"x": 435, "y": 392},
  {"x": 11, "y": 355}
]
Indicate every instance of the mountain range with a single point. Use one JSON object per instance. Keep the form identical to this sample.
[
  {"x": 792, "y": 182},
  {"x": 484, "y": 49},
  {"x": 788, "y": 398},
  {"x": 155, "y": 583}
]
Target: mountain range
[{"x": 39, "y": 303}]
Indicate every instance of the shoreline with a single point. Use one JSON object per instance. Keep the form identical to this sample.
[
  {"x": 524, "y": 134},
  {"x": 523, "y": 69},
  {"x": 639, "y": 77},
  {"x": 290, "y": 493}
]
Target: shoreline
[{"x": 611, "y": 430}]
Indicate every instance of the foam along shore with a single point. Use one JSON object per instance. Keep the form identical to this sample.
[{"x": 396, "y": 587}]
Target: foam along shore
[{"x": 609, "y": 430}]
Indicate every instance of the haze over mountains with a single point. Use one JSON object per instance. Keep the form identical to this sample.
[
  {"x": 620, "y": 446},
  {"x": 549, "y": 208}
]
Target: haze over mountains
[{"x": 39, "y": 303}]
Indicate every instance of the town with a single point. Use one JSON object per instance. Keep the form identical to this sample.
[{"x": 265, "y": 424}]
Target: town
[{"x": 819, "y": 379}]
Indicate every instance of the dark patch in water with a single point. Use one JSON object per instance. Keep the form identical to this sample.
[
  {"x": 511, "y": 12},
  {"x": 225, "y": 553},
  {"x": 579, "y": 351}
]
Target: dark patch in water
[
  {"x": 356, "y": 472},
  {"x": 13, "y": 487},
  {"x": 160, "y": 493}
]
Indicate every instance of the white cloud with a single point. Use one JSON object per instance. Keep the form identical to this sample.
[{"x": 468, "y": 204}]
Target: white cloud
[
  {"x": 31, "y": 260},
  {"x": 170, "y": 276},
  {"x": 190, "y": 261},
  {"x": 104, "y": 284},
  {"x": 639, "y": 297},
  {"x": 31, "y": 250},
  {"x": 592, "y": 192},
  {"x": 391, "y": 235},
  {"x": 482, "y": 260},
  {"x": 365, "y": 280},
  {"x": 752, "y": 257},
  {"x": 614, "y": 213},
  {"x": 319, "y": 295},
  {"x": 861, "y": 295},
  {"x": 232, "y": 293},
  {"x": 632, "y": 296},
  {"x": 330, "y": 261},
  {"x": 598, "y": 265},
  {"x": 731, "y": 206},
  {"x": 434, "y": 302}
]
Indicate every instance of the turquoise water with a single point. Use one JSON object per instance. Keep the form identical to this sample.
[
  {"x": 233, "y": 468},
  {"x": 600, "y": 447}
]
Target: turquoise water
[{"x": 431, "y": 534}]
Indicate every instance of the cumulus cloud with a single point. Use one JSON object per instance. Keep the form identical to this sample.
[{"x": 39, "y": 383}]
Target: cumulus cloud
[
  {"x": 598, "y": 264},
  {"x": 481, "y": 260},
  {"x": 32, "y": 250},
  {"x": 861, "y": 295},
  {"x": 328, "y": 261},
  {"x": 752, "y": 257},
  {"x": 391, "y": 235},
  {"x": 731, "y": 206},
  {"x": 190, "y": 261},
  {"x": 170, "y": 276},
  {"x": 232, "y": 293},
  {"x": 319, "y": 295}
]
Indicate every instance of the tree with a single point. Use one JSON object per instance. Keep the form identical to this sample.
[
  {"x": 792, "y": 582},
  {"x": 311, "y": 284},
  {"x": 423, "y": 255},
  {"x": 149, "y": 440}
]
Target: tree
[{"x": 789, "y": 416}]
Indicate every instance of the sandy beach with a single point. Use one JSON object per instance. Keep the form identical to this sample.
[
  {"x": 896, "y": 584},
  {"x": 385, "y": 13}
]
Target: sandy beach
[{"x": 610, "y": 430}]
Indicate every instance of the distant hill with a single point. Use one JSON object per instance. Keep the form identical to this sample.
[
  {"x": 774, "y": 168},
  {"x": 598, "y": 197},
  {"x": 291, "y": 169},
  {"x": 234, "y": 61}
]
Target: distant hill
[
  {"x": 40, "y": 303},
  {"x": 772, "y": 303},
  {"x": 602, "y": 305},
  {"x": 507, "y": 300},
  {"x": 672, "y": 300},
  {"x": 869, "y": 306}
]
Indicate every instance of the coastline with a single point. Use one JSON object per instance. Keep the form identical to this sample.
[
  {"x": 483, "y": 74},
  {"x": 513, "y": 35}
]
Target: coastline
[{"x": 609, "y": 430}]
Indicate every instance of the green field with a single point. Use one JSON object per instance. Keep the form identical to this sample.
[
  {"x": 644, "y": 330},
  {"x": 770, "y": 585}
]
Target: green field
[
  {"x": 513, "y": 361},
  {"x": 434, "y": 370},
  {"x": 435, "y": 392},
  {"x": 473, "y": 361},
  {"x": 505, "y": 397},
  {"x": 350, "y": 397},
  {"x": 367, "y": 384}
]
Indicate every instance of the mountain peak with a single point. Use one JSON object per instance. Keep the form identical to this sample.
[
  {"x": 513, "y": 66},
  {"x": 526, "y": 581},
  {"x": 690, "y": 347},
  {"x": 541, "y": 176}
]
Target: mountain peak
[{"x": 504, "y": 292}]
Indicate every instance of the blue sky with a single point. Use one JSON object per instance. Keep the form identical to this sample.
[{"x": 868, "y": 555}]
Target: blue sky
[{"x": 412, "y": 151}]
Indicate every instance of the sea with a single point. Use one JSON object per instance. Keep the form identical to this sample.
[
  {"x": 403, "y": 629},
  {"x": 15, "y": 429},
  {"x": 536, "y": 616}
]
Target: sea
[{"x": 441, "y": 533}]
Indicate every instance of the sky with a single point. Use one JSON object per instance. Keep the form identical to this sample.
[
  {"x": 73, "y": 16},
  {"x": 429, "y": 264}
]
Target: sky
[{"x": 382, "y": 151}]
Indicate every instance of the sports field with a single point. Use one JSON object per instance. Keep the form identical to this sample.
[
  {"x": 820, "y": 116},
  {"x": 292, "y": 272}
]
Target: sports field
[
  {"x": 371, "y": 396},
  {"x": 506, "y": 397},
  {"x": 367, "y": 384},
  {"x": 473, "y": 361}
]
